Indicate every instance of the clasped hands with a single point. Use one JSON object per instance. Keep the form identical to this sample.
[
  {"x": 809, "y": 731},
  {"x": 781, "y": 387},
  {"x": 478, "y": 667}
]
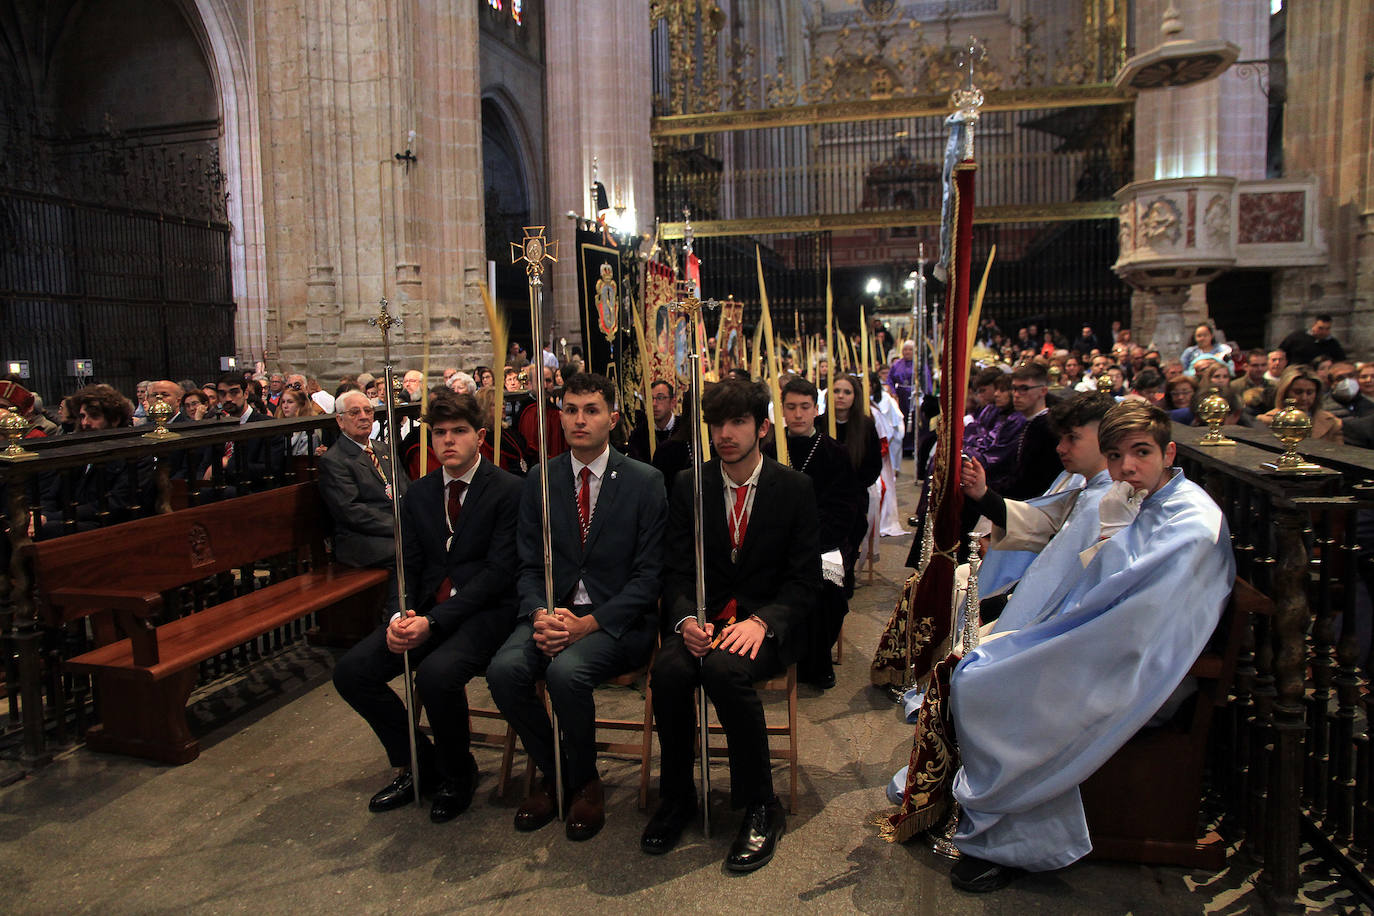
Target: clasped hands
[
  {"x": 554, "y": 632},
  {"x": 742, "y": 637},
  {"x": 406, "y": 631}
]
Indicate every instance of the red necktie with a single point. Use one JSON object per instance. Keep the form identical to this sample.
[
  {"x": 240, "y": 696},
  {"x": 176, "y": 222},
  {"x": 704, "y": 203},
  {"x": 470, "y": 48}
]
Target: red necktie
[
  {"x": 451, "y": 510},
  {"x": 584, "y": 503},
  {"x": 739, "y": 525},
  {"x": 455, "y": 502}
]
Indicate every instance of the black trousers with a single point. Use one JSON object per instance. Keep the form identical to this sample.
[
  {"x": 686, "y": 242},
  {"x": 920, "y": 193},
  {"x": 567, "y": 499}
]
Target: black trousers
[
  {"x": 570, "y": 677},
  {"x": 442, "y": 666},
  {"x": 729, "y": 682},
  {"x": 831, "y": 608}
]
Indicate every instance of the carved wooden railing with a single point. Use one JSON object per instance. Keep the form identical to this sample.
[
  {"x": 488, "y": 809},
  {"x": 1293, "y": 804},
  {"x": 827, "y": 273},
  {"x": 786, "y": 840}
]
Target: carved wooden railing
[
  {"x": 1292, "y": 759},
  {"x": 45, "y": 708}
]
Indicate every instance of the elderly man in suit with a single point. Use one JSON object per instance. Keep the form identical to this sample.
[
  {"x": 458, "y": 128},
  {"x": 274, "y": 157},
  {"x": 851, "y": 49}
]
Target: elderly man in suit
[
  {"x": 356, "y": 478},
  {"x": 763, "y": 572},
  {"x": 606, "y": 515},
  {"x": 458, "y": 530}
]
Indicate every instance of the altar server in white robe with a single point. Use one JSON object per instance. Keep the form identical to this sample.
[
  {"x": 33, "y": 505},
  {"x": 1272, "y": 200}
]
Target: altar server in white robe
[{"x": 1040, "y": 709}]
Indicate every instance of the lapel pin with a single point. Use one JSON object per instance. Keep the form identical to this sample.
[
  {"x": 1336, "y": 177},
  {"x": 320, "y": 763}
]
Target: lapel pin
[{"x": 613, "y": 473}]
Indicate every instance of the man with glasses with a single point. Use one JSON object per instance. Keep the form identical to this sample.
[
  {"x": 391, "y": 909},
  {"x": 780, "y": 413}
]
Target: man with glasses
[
  {"x": 1037, "y": 462},
  {"x": 671, "y": 435},
  {"x": 276, "y": 386},
  {"x": 246, "y": 461},
  {"x": 356, "y": 479}
]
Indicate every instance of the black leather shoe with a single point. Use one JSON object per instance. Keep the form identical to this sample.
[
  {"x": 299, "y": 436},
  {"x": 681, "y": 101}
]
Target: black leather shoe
[
  {"x": 665, "y": 827},
  {"x": 454, "y": 796},
  {"x": 978, "y": 876},
  {"x": 397, "y": 794},
  {"x": 758, "y": 837}
]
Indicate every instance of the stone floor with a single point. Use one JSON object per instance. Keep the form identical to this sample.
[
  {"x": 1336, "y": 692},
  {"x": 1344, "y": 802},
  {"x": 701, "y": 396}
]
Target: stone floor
[{"x": 272, "y": 818}]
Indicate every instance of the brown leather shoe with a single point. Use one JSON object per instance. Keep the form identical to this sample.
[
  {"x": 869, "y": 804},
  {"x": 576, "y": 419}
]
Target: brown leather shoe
[
  {"x": 536, "y": 810},
  {"x": 587, "y": 815}
]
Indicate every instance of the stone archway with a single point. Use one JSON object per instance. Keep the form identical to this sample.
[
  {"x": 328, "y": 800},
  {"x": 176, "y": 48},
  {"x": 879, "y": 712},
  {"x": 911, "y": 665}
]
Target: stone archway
[{"x": 221, "y": 33}]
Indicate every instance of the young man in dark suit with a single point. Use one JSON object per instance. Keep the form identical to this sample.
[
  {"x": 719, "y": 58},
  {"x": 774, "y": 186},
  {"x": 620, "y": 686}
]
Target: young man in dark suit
[
  {"x": 244, "y": 463},
  {"x": 458, "y": 531},
  {"x": 606, "y": 516},
  {"x": 763, "y": 571}
]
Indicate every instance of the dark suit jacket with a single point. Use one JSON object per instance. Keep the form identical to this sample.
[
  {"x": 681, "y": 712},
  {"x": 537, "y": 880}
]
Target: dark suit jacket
[
  {"x": 779, "y": 571},
  {"x": 357, "y": 501},
  {"x": 622, "y": 562},
  {"x": 480, "y": 561},
  {"x": 1358, "y": 431},
  {"x": 253, "y": 459}
]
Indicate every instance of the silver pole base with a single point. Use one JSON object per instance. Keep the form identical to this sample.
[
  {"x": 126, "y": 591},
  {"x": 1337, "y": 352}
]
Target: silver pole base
[{"x": 944, "y": 843}]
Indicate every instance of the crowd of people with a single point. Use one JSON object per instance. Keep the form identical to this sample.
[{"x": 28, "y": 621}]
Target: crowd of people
[{"x": 791, "y": 504}]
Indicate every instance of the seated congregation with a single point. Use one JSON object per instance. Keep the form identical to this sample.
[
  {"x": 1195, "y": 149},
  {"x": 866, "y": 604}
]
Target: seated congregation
[{"x": 1088, "y": 578}]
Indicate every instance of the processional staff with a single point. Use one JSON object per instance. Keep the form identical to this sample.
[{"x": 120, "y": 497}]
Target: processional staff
[
  {"x": 384, "y": 322},
  {"x": 691, "y": 307},
  {"x": 534, "y": 250},
  {"x": 918, "y": 323}
]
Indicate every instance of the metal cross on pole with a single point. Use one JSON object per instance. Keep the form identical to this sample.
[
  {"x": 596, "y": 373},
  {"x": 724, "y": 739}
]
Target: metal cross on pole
[
  {"x": 691, "y": 307},
  {"x": 384, "y": 322},
  {"x": 534, "y": 250}
]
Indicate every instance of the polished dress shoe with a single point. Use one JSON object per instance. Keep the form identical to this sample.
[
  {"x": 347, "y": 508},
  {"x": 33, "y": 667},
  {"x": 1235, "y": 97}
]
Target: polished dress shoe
[
  {"x": 454, "y": 795},
  {"x": 665, "y": 827},
  {"x": 587, "y": 813},
  {"x": 758, "y": 837},
  {"x": 978, "y": 876},
  {"x": 397, "y": 794},
  {"x": 536, "y": 810}
]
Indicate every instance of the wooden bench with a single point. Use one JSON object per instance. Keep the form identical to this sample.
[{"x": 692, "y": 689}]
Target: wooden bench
[
  {"x": 1142, "y": 805},
  {"x": 144, "y": 669}
]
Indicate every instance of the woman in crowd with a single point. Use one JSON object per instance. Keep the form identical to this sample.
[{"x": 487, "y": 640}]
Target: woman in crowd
[
  {"x": 462, "y": 383},
  {"x": 293, "y": 405},
  {"x": 1205, "y": 346},
  {"x": 1178, "y": 399},
  {"x": 193, "y": 405},
  {"x": 856, "y": 431},
  {"x": 1301, "y": 385}
]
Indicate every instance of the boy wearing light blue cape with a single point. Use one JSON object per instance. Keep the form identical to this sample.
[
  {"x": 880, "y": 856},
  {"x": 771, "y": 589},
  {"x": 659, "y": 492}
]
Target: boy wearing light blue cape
[
  {"x": 1086, "y": 676},
  {"x": 1050, "y": 539}
]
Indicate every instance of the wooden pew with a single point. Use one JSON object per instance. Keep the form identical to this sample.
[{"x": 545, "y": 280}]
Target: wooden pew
[
  {"x": 1142, "y": 805},
  {"x": 144, "y": 668}
]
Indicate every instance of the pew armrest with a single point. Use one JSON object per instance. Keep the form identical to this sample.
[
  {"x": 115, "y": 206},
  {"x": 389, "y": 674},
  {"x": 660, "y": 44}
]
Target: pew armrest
[{"x": 76, "y": 603}]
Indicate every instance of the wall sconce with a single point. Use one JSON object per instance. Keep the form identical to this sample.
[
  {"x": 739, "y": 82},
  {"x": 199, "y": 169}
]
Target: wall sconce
[{"x": 408, "y": 157}]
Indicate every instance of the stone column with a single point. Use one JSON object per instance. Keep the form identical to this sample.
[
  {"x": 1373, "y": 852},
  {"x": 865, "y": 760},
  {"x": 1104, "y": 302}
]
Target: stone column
[
  {"x": 598, "y": 105},
  {"x": 344, "y": 85}
]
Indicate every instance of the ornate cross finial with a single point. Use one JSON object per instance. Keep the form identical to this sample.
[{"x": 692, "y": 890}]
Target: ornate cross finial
[
  {"x": 534, "y": 250},
  {"x": 384, "y": 322}
]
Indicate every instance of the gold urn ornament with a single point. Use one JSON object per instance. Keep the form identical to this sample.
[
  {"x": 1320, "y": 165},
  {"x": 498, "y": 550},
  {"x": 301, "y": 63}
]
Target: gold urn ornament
[
  {"x": 14, "y": 426},
  {"x": 1213, "y": 410},
  {"x": 160, "y": 412},
  {"x": 1291, "y": 426},
  {"x": 1104, "y": 383}
]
